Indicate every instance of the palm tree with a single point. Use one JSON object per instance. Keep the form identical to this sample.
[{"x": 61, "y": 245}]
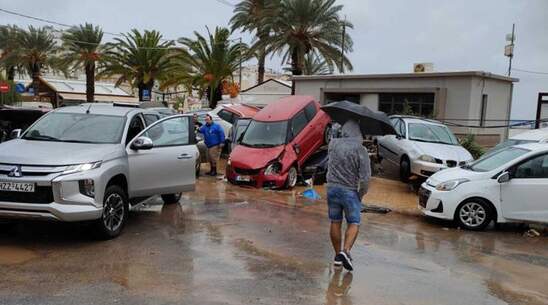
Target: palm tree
[
  {"x": 138, "y": 59},
  {"x": 8, "y": 44},
  {"x": 83, "y": 50},
  {"x": 251, "y": 16},
  {"x": 37, "y": 50},
  {"x": 212, "y": 59},
  {"x": 305, "y": 26},
  {"x": 315, "y": 65}
]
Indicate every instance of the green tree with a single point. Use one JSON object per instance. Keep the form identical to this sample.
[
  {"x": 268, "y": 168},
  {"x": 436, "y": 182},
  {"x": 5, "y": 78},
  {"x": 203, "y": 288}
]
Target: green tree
[
  {"x": 304, "y": 26},
  {"x": 252, "y": 16},
  {"x": 83, "y": 50},
  {"x": 9, "y": 38},
  {"x": 315, "y": 65},
  {"x": 11, "y": 97},
  {"x": 36, "y": 50},
  {"x": 211, "y": 60},
  {"x": 138, "y": 59}
]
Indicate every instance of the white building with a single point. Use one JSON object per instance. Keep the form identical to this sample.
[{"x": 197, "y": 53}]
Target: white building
[
  {"x": 472, "y": 98},
  {"x": 266, "y": 92}
]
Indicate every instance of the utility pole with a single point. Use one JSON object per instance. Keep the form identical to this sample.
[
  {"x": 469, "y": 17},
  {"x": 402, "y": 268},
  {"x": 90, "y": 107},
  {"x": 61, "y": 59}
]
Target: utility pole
[
  {"x": 509, "y": 49},
  {"x": 342, "y": 45}
]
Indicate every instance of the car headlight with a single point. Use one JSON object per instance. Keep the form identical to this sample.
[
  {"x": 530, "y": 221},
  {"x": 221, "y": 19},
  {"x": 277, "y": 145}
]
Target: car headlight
[
  {"x": 427, "y": 158},
  {"x": 273, "y": 168},
  {"x": 450, "y": 185},
  {"x": 81, "y": 167}
]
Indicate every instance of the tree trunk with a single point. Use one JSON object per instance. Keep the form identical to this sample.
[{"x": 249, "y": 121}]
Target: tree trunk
[
  {"x": 90, "y": 82},
  {"x": 145, "y": 86},
  {"x": 214, "y": 96},
  {"x": 35, "y": 78},
  {"x": 296, "y": 67},
  {"x": 261, "y": 63},
  {"x": 11, "y": 73}
]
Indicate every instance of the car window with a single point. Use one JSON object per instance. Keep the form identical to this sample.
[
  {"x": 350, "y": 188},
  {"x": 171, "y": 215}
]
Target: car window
[
  {"x": 432, "y": 133},
  {"x": 151, "y": 118},
  {"x": 536, "y": 168},
  {"x": 171, "y": 132},
  {"x": 396, "y": 123},
  {"x": 265, "y": 134},
  {"x": 135, "y": 127},
  {"x": 298, "y": 123},
  {"x": 401, "y": 130},
  {"x": 226, "y": 116},
  {"x": 505, "y": 144},
  {"x": 497, "y": 159},
  {"x": 310, "y": 111}
]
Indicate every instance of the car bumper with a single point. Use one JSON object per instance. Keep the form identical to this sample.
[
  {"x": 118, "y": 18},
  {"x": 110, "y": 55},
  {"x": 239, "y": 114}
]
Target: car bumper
[
  {"x": 425, "y": 169},
  {"x": 59, "y": 199},
  {"x": 437, "y": 204},
  {"x": 258, "y": 180}
]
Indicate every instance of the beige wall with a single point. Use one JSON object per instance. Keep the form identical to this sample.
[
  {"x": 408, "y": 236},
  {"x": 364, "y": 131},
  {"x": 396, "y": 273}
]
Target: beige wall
[
  {"x": 370, "y": 100},
  {"x": 457, "y": 97}
]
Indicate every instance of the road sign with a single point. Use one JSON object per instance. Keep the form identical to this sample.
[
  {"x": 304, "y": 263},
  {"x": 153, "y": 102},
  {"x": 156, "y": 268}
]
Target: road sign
[
  {"x": 20, "y": 88},
  {"x": 4, "y": 87},
  {"x": 146, "y": 95}
]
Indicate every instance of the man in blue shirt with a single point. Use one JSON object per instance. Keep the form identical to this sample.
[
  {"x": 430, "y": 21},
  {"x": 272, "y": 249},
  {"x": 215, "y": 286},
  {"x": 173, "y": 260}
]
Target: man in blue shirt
[{"x": 214, "y": 139}]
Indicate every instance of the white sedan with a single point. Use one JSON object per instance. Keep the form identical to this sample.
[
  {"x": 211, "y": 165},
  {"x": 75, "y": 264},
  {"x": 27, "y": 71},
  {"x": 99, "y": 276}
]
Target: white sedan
[
  {"x": 421, "y": 147},
  {"x": 511, "y": 185}
]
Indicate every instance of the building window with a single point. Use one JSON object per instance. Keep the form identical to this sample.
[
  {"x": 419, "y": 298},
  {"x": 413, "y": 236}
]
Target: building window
[
  {"x": 483, "y": 111},
  {"x": 420, "y": 104}
]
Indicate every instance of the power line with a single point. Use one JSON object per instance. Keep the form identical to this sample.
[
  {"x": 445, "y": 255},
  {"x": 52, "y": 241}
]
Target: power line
[{"x": 529, "y": 71}]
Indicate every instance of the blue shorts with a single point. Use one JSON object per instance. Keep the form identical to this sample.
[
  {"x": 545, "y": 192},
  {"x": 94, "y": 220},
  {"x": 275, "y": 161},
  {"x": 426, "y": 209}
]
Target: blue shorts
[{"x": 341, "y": 200}]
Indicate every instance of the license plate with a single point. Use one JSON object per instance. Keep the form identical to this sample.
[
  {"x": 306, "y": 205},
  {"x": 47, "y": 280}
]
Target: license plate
[
  {"x": 17, "y": 187},
  {"x": 243, "y": 178}
]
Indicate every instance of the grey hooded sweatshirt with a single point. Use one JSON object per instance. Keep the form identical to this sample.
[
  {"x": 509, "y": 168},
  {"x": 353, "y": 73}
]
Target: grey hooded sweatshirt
[{"x": 349, "y": 166}]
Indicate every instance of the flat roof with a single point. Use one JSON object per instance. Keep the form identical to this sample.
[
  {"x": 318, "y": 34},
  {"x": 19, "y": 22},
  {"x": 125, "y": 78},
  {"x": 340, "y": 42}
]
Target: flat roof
[{"x": 406, "y": 75}]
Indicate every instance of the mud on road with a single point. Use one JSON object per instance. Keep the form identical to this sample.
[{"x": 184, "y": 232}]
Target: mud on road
[{"x": 230, "y": 245}]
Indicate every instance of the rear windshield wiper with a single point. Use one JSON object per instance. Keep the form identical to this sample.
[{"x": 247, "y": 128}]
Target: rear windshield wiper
[{"x": 79, "y": 141}]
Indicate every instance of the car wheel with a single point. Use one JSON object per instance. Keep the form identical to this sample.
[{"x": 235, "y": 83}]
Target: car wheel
[
  {"x": 405, "y": 169},
  {"x": 474, "y": 214},
  {"x": 327, "y": 134},
  {"x": 292, "y": 177},
  {"x": 171, "y": 198},
  {"x": 115, "y": 213},
  {"x": 198, "y": 166}
]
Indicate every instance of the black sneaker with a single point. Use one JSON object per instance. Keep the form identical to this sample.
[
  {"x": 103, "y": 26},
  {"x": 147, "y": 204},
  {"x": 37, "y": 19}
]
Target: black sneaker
[
  {"x": 338, "y": 261},
  {"x": 346, "y": 261}
]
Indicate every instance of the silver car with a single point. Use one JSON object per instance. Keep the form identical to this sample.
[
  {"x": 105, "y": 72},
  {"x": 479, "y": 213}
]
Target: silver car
[
  {"x": 92, "y": 162},
  {"x": 421, "y": 147}
]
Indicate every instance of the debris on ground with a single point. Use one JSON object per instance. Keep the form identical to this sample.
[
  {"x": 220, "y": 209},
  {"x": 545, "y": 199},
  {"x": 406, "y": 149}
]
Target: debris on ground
[
  {"x": 532, "y": 233},
  {"x": 375, "y": 209},
  {"x": 311, "y": 194}
]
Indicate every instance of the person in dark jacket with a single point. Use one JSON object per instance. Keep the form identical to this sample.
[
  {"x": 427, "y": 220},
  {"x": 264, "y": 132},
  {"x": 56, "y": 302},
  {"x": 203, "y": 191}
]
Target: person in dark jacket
[
  {"x": 214, "y": 139},
  {"x": 348, "y": 174}
]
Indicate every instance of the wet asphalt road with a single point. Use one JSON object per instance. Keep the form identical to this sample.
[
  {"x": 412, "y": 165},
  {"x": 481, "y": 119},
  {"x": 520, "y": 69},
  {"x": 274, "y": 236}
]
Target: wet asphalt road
[{"x": 228, "y": 245}]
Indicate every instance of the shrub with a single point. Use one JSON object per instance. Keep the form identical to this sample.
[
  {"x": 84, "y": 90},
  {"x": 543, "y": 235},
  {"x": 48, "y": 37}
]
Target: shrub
[{"x": 470, "y": 144}]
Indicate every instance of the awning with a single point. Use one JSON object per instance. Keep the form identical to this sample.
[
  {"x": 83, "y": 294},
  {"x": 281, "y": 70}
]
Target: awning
[{"x": 99, "y": 98}]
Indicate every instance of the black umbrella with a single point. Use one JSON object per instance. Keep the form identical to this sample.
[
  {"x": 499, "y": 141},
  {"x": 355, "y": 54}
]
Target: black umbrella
[{"x": 371, "y": 122}]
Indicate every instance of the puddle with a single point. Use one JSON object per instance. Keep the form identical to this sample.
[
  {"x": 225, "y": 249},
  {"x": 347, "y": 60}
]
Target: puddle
[{"x": 15, "y": 255}]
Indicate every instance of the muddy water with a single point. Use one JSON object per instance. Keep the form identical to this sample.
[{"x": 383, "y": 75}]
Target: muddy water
[{"x": 230, "y": 245}]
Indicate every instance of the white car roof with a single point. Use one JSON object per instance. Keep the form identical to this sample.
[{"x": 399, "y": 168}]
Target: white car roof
[
  {"x": 99, "y": 108},
  {"x": 534, "y": 146},
  {"x": 533, "y": 135},
  {"x": 410, "y": 119}
]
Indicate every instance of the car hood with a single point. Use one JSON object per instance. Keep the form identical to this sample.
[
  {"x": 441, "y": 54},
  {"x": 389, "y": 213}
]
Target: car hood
[
  {"x": 456, "y": 173},
  {"x": 26, "y": 152},
  {"x": 443, "y": 151},
  {"x": 254, "y": 158}
]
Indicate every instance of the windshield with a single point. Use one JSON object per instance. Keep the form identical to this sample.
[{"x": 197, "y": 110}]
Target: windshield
[
  {"x": 496, "y": 160},
  {"x": 265, "y": 134},
  {"x": 431, "y": 133},
  {"x": 78, "y": 128},
  {"x": 241, "y": 126},
  {"x": 505, "y": 144}
]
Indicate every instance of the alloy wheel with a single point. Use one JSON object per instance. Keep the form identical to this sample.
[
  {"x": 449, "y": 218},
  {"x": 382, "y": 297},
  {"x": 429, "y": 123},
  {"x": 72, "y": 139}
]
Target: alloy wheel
[
  {"x": 472, "y": 214},
  {"x": 113, "y": 212},
  {"x": 292, "y": 177}
]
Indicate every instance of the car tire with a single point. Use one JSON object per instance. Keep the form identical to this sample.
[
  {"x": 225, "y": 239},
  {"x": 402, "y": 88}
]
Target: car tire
[
  {"x": 327, "y": 134},
  {"x": 172, "y": 198},
  {"x": 474, "y": 214},
  {"x": 115, "y": 213},
  {"x": 405, "y": 169},
  {"x": 292, "y": 177}
]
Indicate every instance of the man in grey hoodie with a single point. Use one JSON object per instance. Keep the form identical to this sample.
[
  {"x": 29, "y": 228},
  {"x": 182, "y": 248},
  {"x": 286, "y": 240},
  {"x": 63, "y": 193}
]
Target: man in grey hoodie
[{"x": 348, "y": 174}]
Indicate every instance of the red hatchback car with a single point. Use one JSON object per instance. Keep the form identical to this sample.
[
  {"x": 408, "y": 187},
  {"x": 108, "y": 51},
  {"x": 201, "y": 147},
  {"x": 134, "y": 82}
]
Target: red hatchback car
[{"x": 279, "y": 139}]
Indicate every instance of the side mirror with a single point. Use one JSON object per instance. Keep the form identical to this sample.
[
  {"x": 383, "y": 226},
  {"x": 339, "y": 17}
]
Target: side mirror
[
  {"x": 297, "y": 149},
  {"x": 16, "y": 133},
  {"x": 504, "y": 177},
  {"x": 142, "y": 143},
  {"x": 398, "y": 136}
]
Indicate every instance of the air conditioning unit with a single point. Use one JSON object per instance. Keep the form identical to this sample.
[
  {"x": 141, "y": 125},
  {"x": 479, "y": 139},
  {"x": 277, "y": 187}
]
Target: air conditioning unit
[{"x": 423, "y": 67}]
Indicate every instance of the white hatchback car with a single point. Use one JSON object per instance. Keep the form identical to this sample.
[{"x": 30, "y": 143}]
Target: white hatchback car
[
  {"x": 511, "y": 185},
  {"x": 422, "y": 147}
]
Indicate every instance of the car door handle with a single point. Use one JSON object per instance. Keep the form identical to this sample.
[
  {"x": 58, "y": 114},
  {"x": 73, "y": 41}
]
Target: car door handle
[{"x": 184, "y": 156}]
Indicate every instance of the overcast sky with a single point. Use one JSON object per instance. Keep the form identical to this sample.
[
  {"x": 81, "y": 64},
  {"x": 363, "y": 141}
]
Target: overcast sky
[{"x": 389, "y": 35}]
